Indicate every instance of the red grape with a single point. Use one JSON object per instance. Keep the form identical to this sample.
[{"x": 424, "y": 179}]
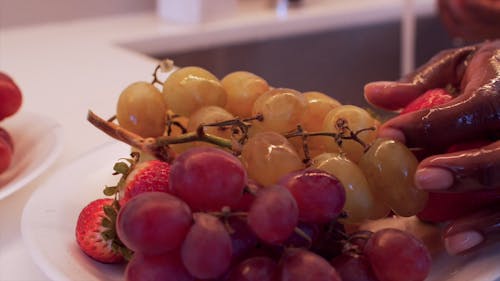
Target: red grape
[
  {"x": 242, "y": 237},
  {"x": 303, "y": 265},
  {"x": 273, "y": 215},
  {"x": 10, "y": 96},
  {"x": 207, "y": 250},
  {"x": 319, "y": 195},
  {"x": 254, "y": 269},
  {"x": 353, "y": 268},
  {"x": 167, "y": 266},
  {"x": 396, "y": 255},
  {"x": 207, "y": 178},
  {"x": 153, "y": 223},
  {"x": 248, "y": 196}
]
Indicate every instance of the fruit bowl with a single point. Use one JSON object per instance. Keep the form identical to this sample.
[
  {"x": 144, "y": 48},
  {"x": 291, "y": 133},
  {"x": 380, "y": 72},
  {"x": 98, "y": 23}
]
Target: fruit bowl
[
  {"x": 34, "y": 149},
  {"x": 48, "y": 224}
]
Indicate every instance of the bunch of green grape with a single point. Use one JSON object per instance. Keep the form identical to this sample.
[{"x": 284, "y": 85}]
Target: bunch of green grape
[{"x": 287, "y": 131}]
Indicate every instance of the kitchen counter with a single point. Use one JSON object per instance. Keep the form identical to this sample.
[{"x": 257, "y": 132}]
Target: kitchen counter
[{"x": 65, "y": 69}]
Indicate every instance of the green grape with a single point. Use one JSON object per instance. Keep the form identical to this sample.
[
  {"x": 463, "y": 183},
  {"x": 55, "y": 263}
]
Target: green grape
[
  {"x": 268, "y": 156},
  {"x": 281, "y": 109},
  {"x": 390, "y": 167},
  {"x": 318, "y": 106},
  {"x": 356, "y": 119},
  {"x": 361, "y": 204},
  {"x": 208, "y": 115},
  {"x": 190, "y": 88},
  {"x": 243, "y": 88},
  {"x": 141, "y": 110}
]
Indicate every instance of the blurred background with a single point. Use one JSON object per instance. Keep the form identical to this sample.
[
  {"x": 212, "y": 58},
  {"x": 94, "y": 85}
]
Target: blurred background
[{"x": 337, "y": 60}]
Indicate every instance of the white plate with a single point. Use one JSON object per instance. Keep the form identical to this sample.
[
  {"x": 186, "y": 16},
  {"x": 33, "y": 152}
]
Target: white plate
[
  {"x": 37, "y": 143},
  {"x": 49, "y": 218}
]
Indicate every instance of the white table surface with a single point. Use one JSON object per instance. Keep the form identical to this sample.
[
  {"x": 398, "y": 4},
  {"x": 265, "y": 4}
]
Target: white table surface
[{"x": 65, "y": 69}]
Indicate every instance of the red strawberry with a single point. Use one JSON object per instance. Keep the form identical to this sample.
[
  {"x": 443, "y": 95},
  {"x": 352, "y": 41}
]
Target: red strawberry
[
  {"x": 95, "y": 231},
  {"x": 429, "y": 99},
  {"x": 10, "y": 96},
  {"x": 145, "y": 177},
  {"x": 6, "y": 150}
]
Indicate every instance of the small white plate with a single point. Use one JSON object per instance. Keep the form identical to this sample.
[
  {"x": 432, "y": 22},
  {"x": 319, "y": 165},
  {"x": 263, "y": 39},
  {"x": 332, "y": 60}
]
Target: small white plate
[
  {"x": 49, "y": 218},
  {"x": 37, "y": 143}
]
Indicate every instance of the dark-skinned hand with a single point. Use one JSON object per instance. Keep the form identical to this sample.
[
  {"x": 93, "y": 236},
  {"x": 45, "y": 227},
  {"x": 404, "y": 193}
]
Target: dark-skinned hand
[{"x": 474, "y": 113}]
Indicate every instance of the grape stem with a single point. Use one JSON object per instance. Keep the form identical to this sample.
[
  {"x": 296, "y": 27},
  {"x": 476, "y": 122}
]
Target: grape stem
[
  {"x": 149, "y": 145},
  {"x": 155, "y": 146},
  {"x": 303, "y": 235}
]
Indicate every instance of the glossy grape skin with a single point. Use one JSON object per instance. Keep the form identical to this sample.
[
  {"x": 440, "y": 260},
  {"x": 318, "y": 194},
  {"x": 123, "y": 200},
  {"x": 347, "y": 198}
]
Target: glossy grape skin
[
  {"x": 320, "y": 196},
  {"x": 190, "y": 88},
  {"x": 281, "y": 109},
  {"x": 353, "y": 268},
  {"x": 6, "y": 150},
  {"x": 361, "y": 203},
  {"x": 273, "y": 215},
  {"x": 207, "y": 178},
  {"x": 207, "y": 250},
  {"x": 208, "y": 115},
  {"x": 390, "y": 167},
  {"x": 243, "y": 88},
  {"x": 153, "y": 223},
  {"x": 254, "y": 269},
  {"x": 397, "y": 255},
  {"x": 318, "y": 106},
  {"x": 303, "y": 265},
  {"x": 167, "y": 266},
  {"x": 356, "y": 119},
  {"x": 141, "y": 109},
  {"x": 11, "y": 97},
  {"x": 269, "y": 156}
]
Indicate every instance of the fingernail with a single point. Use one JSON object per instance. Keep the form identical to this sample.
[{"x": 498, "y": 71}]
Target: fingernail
[
  {"x": 462, "y": 241},
  {"x": 391, "y": 133},
  {"x": 433, "y": 179}
]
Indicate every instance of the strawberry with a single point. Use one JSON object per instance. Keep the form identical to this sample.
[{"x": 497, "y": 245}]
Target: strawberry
[
  {"x": 10, "y": 96},
  {"x": 6, "y": 150},
  {"x": 145, "y": 177},
  {"x": 429, "y": 99},
  {"x": 95, "y": 232}
]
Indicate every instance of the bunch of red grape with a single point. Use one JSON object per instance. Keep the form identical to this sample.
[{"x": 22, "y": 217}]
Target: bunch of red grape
[
  {"x": 263, "y": 181},
  {"x": 199, "y": 229},
  {"x": 10, "y": 102}
]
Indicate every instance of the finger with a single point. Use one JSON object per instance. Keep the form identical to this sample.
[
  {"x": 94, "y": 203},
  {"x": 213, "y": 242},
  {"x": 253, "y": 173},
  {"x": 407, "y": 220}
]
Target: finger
[
  {"x": 474, "y": 169},
  {"x": 474, "y": 114},
  {"x": 447, "y": 67},
  {"x": 473, "y": 231}
]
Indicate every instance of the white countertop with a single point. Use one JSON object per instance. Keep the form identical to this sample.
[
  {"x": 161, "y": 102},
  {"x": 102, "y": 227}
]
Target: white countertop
[{"x": 65, "y": 69}]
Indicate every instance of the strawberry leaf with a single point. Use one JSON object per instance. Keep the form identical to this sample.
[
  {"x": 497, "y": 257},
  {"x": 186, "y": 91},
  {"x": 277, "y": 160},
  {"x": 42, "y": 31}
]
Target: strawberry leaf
[
  {"x": 110, "y": 212},
  {"x": 107, "y": 223},
  {"x": 121, "y": 168},
  {"x": 110, "y": 190}
]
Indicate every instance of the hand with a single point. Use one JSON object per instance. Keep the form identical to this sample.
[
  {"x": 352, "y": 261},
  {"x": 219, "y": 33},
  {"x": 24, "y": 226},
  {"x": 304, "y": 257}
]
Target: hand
[
  {"x": 471, "y": 20},
  {"x": 473, "y": 114}
]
